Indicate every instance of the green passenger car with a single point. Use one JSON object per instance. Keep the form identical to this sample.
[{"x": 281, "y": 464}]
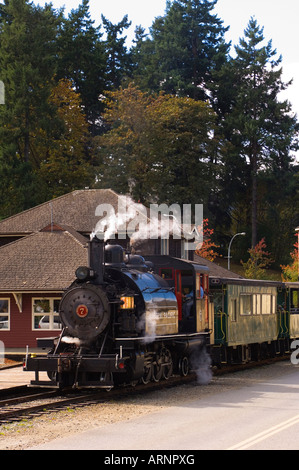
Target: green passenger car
[{"x": 245, "y": 319}]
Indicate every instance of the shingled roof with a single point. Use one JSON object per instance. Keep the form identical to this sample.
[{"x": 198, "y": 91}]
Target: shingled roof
[
  {"x": 215, "y": 270},
  {"x": 44, "y": 261},
  {"x": 75, "y": 209}
]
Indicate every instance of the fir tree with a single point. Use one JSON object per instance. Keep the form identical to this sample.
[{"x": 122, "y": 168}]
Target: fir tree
[
  {"x": 261, "y": 128},
  {"x": 27, "y": 64},
  {"x": 81, "y": 58},
  {"x": 186, "y": 45}
]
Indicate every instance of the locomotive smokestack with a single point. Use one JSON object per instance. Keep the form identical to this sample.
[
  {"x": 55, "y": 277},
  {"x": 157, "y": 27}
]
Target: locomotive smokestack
[{"x": 96, "y": 259}]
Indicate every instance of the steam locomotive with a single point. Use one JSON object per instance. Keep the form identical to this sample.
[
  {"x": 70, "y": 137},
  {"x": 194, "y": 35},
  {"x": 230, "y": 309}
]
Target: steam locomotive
[{"x": 126, "y": 320}]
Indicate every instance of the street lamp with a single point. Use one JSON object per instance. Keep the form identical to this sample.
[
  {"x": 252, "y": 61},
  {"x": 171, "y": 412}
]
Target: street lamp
[{"x": 229, "y": 247}]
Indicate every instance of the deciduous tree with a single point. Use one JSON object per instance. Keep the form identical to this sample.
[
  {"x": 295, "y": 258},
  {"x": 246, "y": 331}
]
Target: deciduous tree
[{"x": 157, "y": 147}]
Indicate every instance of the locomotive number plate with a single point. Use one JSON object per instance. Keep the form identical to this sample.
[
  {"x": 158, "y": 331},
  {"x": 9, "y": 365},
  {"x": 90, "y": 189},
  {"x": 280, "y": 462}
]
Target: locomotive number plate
[{"x": 82, "y": 311}]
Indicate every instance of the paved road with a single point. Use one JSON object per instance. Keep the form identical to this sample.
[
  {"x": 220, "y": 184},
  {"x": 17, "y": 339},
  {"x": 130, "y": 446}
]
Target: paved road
[{"x": 258, "y": 416}]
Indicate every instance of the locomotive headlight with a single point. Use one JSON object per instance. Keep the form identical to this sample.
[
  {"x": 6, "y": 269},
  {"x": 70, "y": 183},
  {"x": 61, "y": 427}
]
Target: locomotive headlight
[
  {"x": 83, "y": 273},
  {"x": 128, "y": 303}
]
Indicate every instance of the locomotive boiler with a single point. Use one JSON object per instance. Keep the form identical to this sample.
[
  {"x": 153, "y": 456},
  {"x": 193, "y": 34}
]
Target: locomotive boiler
[{"x": 123, "y": 322}]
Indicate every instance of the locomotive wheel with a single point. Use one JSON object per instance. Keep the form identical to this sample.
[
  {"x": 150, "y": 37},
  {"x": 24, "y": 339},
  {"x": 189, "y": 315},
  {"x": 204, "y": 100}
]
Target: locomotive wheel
[
  {"x": 157, "y": 370},
  {"x": 147, "y": 374},
  {"x": 168, "y": 367},
  {"x": 184, "y": 366}
]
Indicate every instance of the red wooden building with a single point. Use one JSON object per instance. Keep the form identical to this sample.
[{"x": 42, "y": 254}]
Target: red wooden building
[{"x": 34, "y": 271}]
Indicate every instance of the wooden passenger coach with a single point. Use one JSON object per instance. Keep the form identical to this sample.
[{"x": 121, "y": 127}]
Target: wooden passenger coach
[{"x": 246, "y": 322}]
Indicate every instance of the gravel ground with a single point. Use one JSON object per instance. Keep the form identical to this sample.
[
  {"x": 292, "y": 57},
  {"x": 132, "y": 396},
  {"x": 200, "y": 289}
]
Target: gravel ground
[{"x": 28, "y": 433}]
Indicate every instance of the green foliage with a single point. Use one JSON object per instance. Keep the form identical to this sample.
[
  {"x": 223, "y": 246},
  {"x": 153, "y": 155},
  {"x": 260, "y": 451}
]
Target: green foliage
[
  {"x": 186, "y": 45},
  {"x": 290, "y": 271},
  {"x": 157, "y": 147},
  {"x": 260, "y": 126},
  {"x": 81, "y": 59}
]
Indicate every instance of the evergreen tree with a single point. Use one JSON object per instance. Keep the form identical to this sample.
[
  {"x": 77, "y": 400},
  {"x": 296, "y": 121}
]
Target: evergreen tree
[
  {"x": 187, "y": 44},
  {"x": 27, "y": 64},
  {"x": 82, "y": 60},
  {"x": 118, "y": 58},
  {"x": 261, "y": 128}
]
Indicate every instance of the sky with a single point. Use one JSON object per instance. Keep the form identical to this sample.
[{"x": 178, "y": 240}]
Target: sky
[{"x": 278, "y": 17}]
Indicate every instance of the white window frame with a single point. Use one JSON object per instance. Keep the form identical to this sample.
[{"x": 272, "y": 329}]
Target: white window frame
[
  {"x": 42, "y": 312},
  {"x": 6, "y": 314}
]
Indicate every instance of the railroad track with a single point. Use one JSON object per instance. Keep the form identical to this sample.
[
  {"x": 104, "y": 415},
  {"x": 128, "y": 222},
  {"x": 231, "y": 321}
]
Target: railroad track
[{"x": 31, "y": 403}]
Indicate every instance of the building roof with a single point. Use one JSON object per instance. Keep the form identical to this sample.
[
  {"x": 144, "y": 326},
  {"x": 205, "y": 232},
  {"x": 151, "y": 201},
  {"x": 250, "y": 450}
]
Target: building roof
[
  {"x": 75, "y": 209},
  {"x": 216, "y": 271},
  {"x": 44, "y": 261}
]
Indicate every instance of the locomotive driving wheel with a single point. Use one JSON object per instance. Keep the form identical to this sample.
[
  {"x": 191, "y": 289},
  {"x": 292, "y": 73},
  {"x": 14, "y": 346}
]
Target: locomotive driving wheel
[
  {"x": 184, "y": 366},
  {"x": 158, "y": 369},
  {"x": 168, "y": 365},
  {"x": 163, "y": 366},
  {"x": 148, "y": 369}
]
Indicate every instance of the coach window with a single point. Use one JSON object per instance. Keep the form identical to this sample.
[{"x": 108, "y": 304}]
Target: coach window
[
  {"x": 266, "y": 304},
  {"x": 245, "y": 304},
  {"x": 256, "y": 304},
  {"x": 4, "y": 314},
  {"x": 294, "y": 302},
  {"x": 45, "y": 314}
]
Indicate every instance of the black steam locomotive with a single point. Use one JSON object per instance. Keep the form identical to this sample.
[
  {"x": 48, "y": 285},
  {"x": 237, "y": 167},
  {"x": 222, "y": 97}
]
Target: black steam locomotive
[{"x": 126, "y": 320}]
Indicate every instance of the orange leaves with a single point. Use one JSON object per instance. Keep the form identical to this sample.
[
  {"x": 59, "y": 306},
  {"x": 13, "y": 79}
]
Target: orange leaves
[{"x": 207, "y": 249}]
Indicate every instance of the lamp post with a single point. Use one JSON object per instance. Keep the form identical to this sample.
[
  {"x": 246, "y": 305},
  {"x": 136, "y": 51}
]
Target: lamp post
[
  {"x": 297, "y": 230},
  {"x": 229, "y": 247}
]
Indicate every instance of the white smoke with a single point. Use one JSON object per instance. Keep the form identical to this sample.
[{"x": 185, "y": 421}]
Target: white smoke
[
  {"x": 201, "y": 364},
  {"x": 70, "y": 340},
  {"x": 148, "y": 324},
  {"x": 134, "y": 220},
  {"x": 130, "y": 218}
]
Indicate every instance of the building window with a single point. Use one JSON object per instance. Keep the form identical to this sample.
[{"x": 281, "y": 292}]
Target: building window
[
  {"x": 45, "y": 314},
  {"x": 4, "y": 314}
]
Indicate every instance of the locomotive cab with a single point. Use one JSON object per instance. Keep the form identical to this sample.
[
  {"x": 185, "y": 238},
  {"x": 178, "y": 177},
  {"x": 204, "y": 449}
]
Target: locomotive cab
[{"x": 190, "y": 282}]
